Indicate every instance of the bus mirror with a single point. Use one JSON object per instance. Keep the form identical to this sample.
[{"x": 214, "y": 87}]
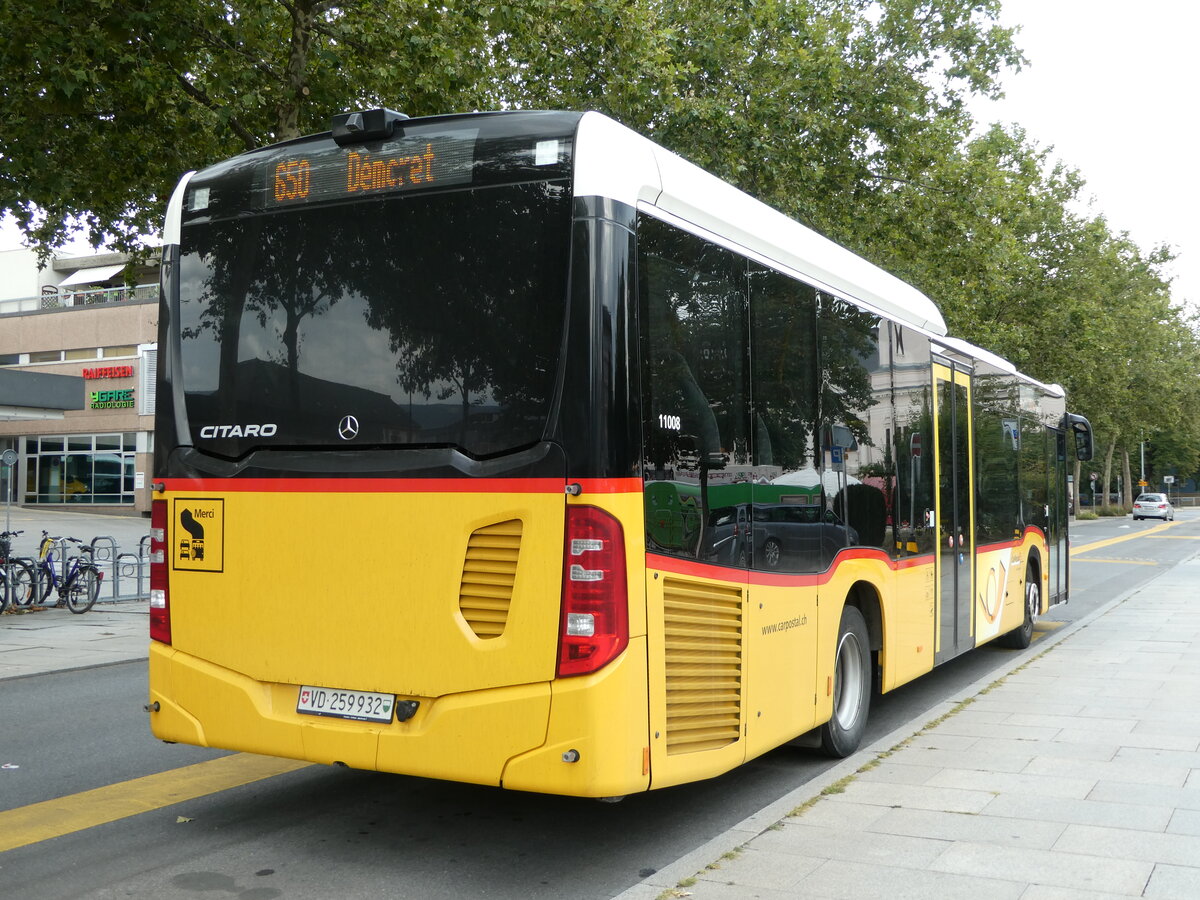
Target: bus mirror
[{"x": 1083, "y": 436}]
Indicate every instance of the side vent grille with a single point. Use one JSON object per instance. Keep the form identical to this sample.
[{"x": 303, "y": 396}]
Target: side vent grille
[
  {"x": 488, "y": 575},
  {"x": 703, "y": 626}
]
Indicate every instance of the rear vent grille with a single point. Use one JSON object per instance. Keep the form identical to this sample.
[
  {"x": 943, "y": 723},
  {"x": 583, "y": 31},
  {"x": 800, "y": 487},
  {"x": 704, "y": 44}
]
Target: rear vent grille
[
  {"x": 488, "y": 575},
  {"x": 703, "y": 626}
]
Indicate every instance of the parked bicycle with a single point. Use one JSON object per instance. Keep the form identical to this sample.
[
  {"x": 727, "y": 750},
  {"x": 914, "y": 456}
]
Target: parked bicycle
[
  {"x": 79, "y": 587},
  {"x": 16, "y": 575}
]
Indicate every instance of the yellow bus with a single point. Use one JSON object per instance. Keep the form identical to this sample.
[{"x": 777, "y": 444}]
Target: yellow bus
[{"x": 513, "y": 449}]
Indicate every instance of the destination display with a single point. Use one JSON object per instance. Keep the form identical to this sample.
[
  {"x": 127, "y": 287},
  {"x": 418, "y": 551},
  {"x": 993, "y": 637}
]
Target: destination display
[{"x": 419, "y": 161}]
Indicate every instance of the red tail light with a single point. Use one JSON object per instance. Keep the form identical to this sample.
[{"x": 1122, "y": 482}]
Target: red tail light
[
  {"x": 160, "y": 592},
  {"x": 595, "y": 601}
]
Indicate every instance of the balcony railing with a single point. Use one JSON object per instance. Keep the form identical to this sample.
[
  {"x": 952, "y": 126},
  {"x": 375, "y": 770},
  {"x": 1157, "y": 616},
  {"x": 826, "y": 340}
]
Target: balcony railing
[{"x": 77, "y": 299}]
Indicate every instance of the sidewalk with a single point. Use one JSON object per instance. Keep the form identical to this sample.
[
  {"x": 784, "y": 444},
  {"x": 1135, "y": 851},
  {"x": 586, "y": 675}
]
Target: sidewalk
[
  {"x": 1076, "y": 775},
  {"x": 43, "y": 640}
]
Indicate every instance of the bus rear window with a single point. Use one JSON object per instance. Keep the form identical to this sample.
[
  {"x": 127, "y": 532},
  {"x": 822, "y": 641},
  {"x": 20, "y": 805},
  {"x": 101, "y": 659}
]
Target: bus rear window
[{"x": 432, "y": 320}]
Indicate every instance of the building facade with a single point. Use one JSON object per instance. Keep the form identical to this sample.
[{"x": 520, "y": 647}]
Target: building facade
[{"x": 77, "y": 317}]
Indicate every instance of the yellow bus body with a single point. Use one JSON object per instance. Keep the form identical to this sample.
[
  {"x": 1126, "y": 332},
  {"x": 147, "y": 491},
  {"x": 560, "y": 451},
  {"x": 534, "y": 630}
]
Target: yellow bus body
[{"x": 717, "y": 671}]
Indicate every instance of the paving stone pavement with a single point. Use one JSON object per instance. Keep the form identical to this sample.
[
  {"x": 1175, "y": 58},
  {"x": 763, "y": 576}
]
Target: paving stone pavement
[
  {"x": 1076, "y": 775},
  {"x": 47, "y": 639}
]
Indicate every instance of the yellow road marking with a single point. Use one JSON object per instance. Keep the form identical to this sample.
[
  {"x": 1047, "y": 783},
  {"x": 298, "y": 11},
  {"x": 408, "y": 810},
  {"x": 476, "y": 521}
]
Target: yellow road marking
[
  {"x": 1043, "y": 627},
  {"x": 1108, "y": 542},
  {"x": 1180, "y": 537},
  {"x": 75, "y": 812}
]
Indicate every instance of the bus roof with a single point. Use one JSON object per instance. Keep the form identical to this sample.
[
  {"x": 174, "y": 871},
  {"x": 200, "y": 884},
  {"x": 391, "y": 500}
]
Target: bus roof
[
  {"x": 977, "y": 354},
  {"x": 662, "y": 183},
  {"x": 615, "y": 162}
]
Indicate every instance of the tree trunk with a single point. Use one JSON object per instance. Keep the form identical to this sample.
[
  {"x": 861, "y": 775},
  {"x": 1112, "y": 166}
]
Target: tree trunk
[
  {"x": 304, "y": 18},
  {"x": 1127, "y": 498},
  {"x": 1107, "y": 478}
]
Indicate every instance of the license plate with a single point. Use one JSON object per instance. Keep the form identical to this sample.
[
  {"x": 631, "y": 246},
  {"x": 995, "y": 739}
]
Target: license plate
[{"x": 362, "y": 706}]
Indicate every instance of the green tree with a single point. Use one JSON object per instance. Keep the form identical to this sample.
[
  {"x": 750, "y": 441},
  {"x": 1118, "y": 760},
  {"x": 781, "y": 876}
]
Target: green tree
[
  {"x": 105, "y": 104},
  {"x": 809, "y": 104}
]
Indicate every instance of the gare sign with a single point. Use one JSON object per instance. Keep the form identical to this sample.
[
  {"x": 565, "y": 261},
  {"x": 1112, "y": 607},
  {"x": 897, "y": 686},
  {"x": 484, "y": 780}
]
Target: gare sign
[{"x": 111, "y": 399}]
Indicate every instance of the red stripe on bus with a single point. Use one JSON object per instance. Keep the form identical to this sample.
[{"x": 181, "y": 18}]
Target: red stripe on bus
[
  {"x": 403, "y": 485},
  {"x": 734, "y": 575},
  {"x": 998, "y": 545}
]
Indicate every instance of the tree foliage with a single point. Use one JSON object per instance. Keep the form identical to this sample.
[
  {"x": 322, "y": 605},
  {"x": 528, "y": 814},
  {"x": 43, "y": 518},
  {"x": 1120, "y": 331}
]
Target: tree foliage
[{"x": 846, "y": 114}]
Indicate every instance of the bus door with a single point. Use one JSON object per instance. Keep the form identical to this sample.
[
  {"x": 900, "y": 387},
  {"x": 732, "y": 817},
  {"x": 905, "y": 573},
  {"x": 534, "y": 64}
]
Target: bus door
[
  {"x": 954, "y": 507},
  {"x": 1056, "y": 525}
]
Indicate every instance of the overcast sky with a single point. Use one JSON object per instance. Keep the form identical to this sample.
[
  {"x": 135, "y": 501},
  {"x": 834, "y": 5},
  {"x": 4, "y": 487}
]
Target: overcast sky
[{"x": 1115, "y": 88}]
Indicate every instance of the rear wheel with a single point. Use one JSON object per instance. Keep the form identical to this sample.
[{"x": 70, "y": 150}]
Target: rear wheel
[
  {"x": 21, "y": 587},
  {"x": 841, "y": 735},
  {"x": 84, "y": 590},
  {"x": 1021, "y": 637}
]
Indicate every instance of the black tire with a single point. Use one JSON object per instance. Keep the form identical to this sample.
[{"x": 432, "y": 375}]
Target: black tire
[
  {"x": 84, "y": 589},
  {"x": 841, "y": 735},
  {"x": 772, "y": 553},
  {"x": 1022, "y": 636},
  {"x": 21, "y": 588}
]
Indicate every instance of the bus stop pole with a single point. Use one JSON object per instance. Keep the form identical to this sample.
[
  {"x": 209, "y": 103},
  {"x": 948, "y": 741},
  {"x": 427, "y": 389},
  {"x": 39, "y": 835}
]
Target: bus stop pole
[{"x": 8, "y": 459}]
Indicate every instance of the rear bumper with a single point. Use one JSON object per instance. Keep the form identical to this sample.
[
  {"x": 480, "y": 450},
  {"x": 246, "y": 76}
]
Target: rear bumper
[{"x": 512, "y": 737}]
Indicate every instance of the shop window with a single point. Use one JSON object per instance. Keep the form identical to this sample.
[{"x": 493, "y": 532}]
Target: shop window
[
  {"x": 83, "y": 353},
  {"x": 110, "y": 352},
  {"x": 45, "y": 356},
  {"x": 10, "y": 359},
  {"x": 89, "y": 469}
]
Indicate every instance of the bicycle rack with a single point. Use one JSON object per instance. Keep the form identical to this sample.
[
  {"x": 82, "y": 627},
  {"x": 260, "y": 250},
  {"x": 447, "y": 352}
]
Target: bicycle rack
[
  {"x": 104, "y": 550},
  {"x": 123, "y": 567},
  {"x": 126, "y": 574}
]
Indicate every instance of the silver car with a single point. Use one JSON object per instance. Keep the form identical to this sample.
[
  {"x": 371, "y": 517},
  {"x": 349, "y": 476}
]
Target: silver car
[{"x": 1153, "y": 506}]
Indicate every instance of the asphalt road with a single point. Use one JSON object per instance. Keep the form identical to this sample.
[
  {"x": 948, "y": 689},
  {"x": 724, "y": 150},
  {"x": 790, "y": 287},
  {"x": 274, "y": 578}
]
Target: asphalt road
[{"x": 322, "y": 832}]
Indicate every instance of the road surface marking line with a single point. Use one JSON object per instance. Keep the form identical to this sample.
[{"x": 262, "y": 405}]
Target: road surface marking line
[
  {"x": 1043, "y": 627},
  {"x": 1108, "y": 542},
  {"x": 75, "y": 812},
  {"x": 1124, "y": 562}
]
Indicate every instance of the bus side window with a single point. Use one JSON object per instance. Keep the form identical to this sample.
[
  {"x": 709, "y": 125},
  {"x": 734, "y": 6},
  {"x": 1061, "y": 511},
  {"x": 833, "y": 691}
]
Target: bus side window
[{"x": 694, "y": 394}]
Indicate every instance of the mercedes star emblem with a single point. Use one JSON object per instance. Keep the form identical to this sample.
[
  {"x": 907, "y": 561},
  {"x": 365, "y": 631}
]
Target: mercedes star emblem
[{"x": 348, "y": 428}]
